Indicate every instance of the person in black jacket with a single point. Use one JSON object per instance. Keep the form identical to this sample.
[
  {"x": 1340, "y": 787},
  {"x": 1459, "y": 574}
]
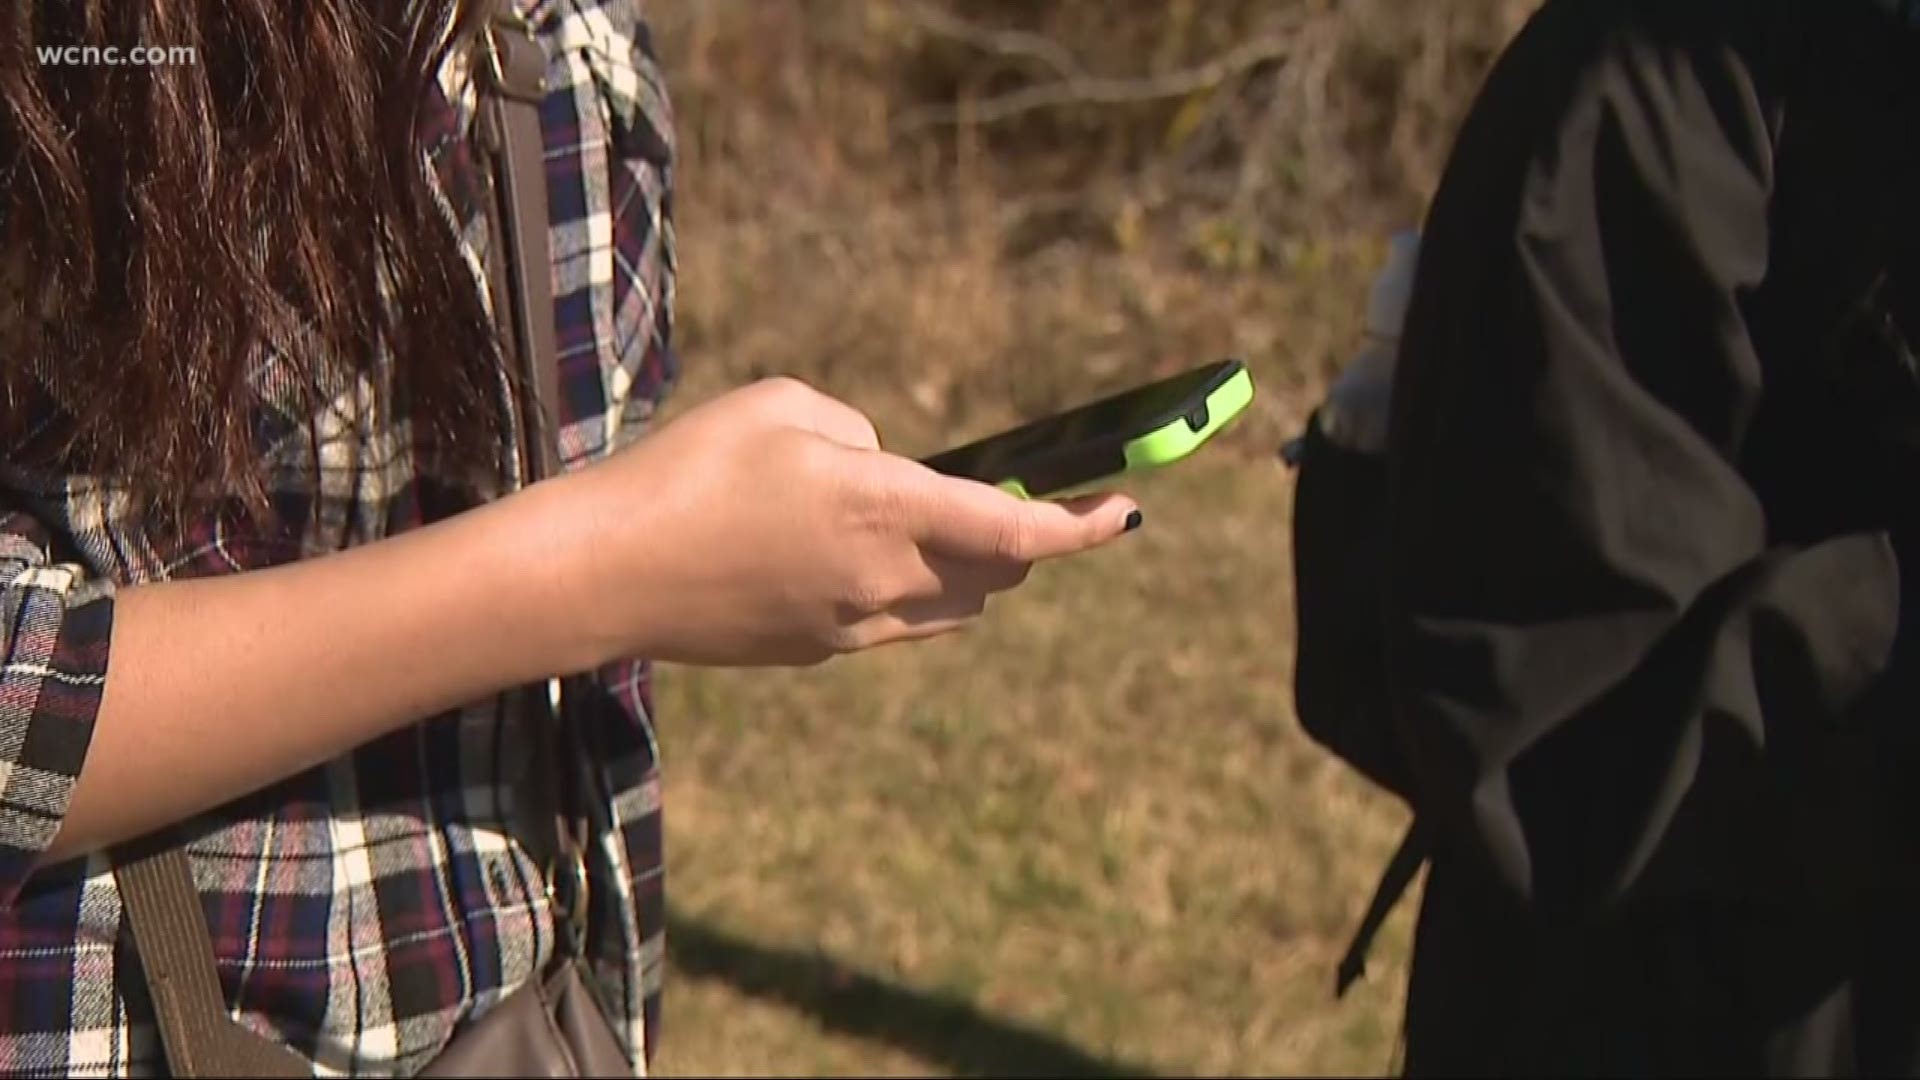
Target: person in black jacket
[{"x": 1654, "y": 520}]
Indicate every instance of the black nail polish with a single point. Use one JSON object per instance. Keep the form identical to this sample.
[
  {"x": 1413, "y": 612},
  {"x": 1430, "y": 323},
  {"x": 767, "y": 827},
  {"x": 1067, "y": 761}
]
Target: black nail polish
[{"x": 1134, "y": 519}]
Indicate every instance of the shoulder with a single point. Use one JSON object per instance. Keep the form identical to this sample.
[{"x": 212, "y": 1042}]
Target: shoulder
[
  {"x": 605, "y": 86},
  {"x": 1655, "y": 102},
  {"x": 1585, "y": 69},
  {"x": 611, "y": 159},
  {"x": 605, "y": 49}
]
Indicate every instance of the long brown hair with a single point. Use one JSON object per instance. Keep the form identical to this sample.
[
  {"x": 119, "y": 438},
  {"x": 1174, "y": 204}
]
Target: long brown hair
[{"x": 175, "y": 220}]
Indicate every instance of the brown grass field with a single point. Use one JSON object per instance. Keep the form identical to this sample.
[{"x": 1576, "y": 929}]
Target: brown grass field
[{"x": 1086, "y": 837}]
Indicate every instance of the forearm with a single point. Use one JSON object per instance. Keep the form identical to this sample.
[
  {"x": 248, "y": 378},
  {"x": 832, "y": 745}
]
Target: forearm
[{"x": 218, "y": 687}]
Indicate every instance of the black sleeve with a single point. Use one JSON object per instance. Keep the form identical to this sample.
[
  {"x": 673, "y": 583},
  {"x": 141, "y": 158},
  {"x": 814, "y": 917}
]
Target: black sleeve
[{"x": 1611, "y": 681}]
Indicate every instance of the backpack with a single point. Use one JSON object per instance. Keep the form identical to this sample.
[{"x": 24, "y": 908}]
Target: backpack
[{"x": 1341, "y": 676}]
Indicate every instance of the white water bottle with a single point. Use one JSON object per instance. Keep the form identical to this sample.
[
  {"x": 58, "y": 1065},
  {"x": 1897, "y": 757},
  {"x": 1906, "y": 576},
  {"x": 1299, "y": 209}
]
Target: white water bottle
[{"x": 1358, "y": 404}]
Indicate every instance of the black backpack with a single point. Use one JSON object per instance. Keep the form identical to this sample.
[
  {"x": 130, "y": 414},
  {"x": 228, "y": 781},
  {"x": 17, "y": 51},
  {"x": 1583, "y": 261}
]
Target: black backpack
[{"x": 1341, "y": 688}]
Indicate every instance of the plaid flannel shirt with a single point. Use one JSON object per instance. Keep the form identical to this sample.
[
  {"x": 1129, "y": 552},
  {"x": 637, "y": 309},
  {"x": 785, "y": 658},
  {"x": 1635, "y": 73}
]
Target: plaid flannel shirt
[{"x": 365, "y": 911}]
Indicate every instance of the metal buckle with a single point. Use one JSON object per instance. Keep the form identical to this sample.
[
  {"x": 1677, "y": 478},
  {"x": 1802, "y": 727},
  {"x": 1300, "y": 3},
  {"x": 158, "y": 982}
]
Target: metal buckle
[
  {"x": 569, "y": 901},
  {"x": 505, "y": 20},
  {"x": 573, "y": 906}
]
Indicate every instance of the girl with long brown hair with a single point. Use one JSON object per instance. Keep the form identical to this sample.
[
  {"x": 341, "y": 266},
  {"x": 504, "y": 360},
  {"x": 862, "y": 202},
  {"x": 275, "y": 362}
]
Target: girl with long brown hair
[{"x": 265, "y": 572}]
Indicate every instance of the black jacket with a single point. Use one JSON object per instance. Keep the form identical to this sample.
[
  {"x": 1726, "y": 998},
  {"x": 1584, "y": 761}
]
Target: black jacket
[{"x": 1654, "y": 520}]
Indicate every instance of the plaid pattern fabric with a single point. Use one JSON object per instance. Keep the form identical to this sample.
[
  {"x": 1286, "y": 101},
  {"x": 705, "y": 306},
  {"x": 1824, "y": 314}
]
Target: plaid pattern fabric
[{"x": 365, "y": 911}]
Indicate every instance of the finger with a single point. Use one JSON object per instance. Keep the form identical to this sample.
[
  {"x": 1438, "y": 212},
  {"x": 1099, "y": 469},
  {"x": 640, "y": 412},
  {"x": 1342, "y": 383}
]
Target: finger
[
  {"x": 925, "y": 577},
  {"x": 983, "y": 576},
  {"x": 917, "y": 620},
  {"x": 969, "y": 520},
  {"x": 949, "y": 610}
]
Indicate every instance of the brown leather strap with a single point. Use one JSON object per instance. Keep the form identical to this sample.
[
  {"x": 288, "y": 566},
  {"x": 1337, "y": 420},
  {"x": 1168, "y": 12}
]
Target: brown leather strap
[
  {"x": 512, "y": 70},
  {"x": 163, "y": 907},
  {"x": 176, "y": 953}
]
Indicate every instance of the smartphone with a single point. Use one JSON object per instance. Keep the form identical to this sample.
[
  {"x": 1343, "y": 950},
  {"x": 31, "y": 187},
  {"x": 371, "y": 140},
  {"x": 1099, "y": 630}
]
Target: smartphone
[{"x": 1133, "y": 431}]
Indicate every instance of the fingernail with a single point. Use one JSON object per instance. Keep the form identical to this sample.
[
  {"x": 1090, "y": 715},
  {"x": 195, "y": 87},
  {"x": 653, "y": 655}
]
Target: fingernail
[{"x": 1134, "y": 519}]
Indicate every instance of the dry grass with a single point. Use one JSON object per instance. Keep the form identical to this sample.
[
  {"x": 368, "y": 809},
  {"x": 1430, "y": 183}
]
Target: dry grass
[{"x": 1087, "y": 836}]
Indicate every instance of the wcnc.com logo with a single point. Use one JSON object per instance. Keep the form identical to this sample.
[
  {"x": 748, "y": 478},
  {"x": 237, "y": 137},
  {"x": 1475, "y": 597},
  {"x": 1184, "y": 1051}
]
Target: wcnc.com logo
[{"x": 115, "y": 56}]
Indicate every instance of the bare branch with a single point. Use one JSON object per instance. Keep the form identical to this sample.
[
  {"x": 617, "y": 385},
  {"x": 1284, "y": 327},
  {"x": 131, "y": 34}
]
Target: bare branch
[
  {"x": 1092, "y": 91},
  {"x": 1088, "y": 90},
  {"x": 1011, "y": 44}
]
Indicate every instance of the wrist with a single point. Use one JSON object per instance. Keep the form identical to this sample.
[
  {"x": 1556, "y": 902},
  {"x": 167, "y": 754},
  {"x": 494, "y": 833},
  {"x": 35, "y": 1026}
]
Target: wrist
[
  {"x": 567, "y": 564},
  {"x": 546, "y": 566}
]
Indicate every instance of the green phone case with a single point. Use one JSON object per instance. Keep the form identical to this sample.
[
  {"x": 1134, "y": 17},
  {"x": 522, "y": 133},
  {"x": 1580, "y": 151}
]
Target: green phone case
[{"x": 1169, "y": 443}]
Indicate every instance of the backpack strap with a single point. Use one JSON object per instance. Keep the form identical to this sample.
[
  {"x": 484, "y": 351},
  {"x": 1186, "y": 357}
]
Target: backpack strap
[
  {"x": 164, "y": 909},
  {"x": 1407, "y": 860}
]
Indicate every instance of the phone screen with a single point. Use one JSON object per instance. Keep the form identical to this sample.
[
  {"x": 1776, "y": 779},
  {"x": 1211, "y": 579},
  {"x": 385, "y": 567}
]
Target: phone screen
[{"x": 1089, "y": 440}]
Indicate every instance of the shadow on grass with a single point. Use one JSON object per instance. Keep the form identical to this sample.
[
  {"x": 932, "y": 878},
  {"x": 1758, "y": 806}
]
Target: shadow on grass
[{"x": 942, "y": 1029}]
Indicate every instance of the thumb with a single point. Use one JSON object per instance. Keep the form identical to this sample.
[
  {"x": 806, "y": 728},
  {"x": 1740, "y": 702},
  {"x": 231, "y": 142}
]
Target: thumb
[{"x": 970, "y": 520}]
